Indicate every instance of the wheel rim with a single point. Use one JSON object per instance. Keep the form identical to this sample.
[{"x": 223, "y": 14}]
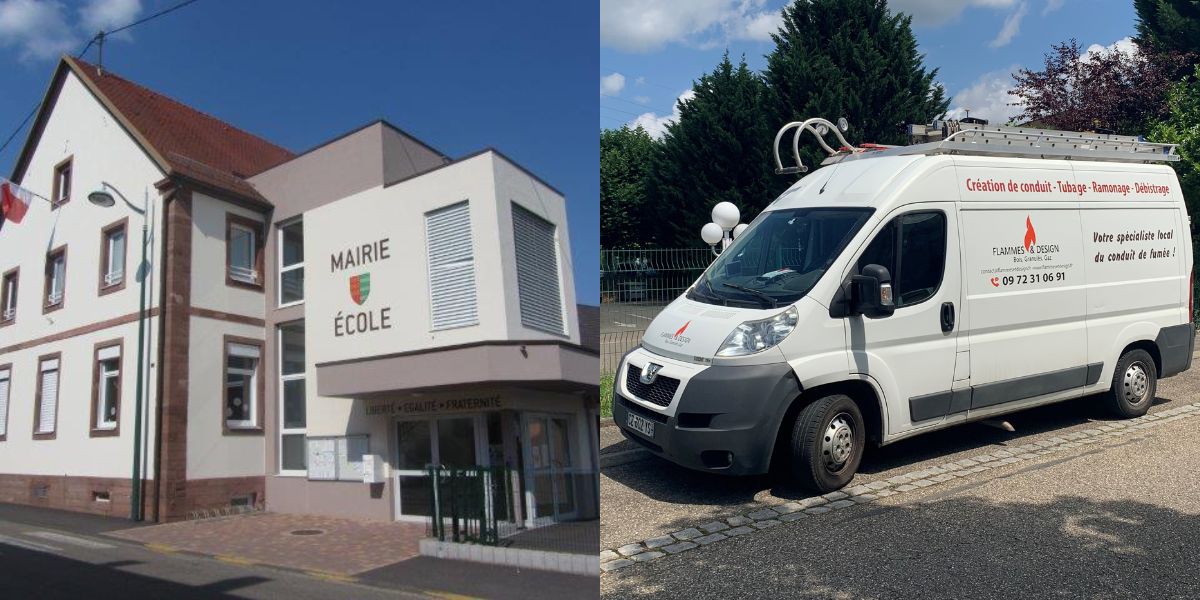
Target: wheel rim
[
  {"x": 1135, "y": 385},
  {"x": 837, "y": 444}
]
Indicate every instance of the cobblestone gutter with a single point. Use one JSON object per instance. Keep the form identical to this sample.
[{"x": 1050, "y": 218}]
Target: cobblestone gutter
[{"x": 773, "y": 515}]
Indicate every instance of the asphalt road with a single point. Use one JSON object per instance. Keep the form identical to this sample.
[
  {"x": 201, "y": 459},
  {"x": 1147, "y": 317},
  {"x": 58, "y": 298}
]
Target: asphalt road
[
  {"x": 631, "y": 316},
  {"x": 1113, "y": 519},
  {"x": 50, "y": 554}
]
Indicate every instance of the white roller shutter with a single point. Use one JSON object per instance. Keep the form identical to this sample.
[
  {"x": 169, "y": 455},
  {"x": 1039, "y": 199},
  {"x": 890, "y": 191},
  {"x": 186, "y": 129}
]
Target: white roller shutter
[
  {"x": 4, "y": 387},
  {"x": 49, "y": 397},
  {"x": 537, "y": 272},
  {"x": 451, "y": 267}
]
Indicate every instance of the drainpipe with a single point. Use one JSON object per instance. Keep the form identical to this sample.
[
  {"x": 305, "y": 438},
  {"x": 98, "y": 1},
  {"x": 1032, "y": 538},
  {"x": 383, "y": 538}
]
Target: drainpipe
[{"x": 158, "y": 371}]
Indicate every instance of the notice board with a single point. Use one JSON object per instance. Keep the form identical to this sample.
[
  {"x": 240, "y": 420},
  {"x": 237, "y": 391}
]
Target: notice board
[{"x": 336, "y": 458}]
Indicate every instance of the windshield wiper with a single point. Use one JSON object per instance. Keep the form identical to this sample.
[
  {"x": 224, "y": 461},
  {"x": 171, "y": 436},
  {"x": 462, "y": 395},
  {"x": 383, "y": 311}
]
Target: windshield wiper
[
  {"x": 767, "y": 297},
  {"x": 711, "y": 294}
]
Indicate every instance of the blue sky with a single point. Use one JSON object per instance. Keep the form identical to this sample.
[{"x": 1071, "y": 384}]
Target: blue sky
[
  {"x": 517, "y": 75},
  {"x": 658, "y": 47}
]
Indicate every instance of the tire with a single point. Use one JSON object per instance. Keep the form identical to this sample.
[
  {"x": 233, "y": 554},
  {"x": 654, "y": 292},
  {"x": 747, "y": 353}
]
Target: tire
[
  {"x": 822, "y": 464},
  {"x": 1134, "y": 384}
]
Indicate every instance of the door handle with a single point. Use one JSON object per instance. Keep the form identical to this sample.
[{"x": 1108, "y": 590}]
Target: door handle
[{"x": 947, "y": 316}]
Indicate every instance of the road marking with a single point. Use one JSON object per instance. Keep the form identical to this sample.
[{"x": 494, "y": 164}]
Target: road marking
[
  {"x": 69, "y": 539},
  {"x": 12, "y": 541},
  {"x": 331, "y": 576},
  {"x": 235, "y": 560},
  {"x": 620, "y": 324},
  {"x": 161, "y": 548}
]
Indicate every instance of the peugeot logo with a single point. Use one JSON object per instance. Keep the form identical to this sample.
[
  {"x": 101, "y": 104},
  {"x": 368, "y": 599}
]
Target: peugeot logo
[{"x": 650, "y": 373}]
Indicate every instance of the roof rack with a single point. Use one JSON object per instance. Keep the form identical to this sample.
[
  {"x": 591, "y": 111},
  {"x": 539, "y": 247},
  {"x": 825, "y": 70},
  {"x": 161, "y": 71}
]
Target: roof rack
[
  {"x": 956, "y": 137},
  {"x": 993, "y": 140}
]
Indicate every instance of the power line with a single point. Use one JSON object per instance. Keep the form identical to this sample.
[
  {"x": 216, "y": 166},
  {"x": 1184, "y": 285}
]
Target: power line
[
  {"x": 98, "y": 37},
  {"x": 152, "y": 17}
]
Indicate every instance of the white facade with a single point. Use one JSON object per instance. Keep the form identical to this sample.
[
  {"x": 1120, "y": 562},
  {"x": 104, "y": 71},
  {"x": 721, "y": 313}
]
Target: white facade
[{"x": 101, "y": 151}]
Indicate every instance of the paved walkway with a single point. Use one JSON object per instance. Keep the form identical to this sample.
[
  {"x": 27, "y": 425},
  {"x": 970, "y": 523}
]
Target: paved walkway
[{"x": 341, "y": 547}]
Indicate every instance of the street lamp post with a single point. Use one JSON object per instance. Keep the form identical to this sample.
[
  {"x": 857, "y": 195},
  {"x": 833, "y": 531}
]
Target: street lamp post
[{"x": 105, "y": 199}]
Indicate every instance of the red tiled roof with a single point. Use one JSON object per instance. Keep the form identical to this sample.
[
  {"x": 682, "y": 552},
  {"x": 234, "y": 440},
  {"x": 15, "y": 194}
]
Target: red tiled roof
[{"x": 194, "y": 145}]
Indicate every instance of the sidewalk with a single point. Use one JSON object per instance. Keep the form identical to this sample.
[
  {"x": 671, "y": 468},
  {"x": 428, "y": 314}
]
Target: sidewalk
[{"x": 310, "y": 543}]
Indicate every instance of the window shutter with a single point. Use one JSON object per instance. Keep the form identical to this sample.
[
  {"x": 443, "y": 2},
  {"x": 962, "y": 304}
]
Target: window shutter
[
  {"x": 4, "y": 382},
  {"x": 451, "y": 267},
  {"x": 49, "y": 397},
  {"x": 537, "y": 272}
]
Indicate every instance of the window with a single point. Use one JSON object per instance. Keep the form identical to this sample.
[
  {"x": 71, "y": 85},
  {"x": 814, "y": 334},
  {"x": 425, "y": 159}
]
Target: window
[
  {"x": 291, "y": 263},
  {"x": 56, "y": 279},
  {"x": 106, "y": 389},
  {"x": 112, "y": 257},
  {"x": 919, "y": 240},
  {"x": 46, "y": 413},
  {"x": 8, "y": 297},
  {"x": 448, "y": 243},
  {"x": 242, "y": 383},
  {"x": 780, "y": 257},
  {"x": 292, "y": 411},
  {"x": 243, "y": 254},
  {"x": 62, "y": 183},
  {"x": 5, "y": 386},
  {"x": 538, "y": 284}
]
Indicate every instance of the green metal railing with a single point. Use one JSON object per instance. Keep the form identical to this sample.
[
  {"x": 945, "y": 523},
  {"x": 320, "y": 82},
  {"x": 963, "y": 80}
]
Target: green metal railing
[{"x": 468, "y": 504}]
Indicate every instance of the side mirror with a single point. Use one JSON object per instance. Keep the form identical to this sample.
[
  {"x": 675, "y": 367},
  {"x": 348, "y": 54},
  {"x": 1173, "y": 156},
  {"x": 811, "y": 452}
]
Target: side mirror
[{"x": 871, "y": 292}]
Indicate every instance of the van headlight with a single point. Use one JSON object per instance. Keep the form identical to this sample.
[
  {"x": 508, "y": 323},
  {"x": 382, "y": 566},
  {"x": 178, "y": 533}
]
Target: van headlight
[{"x": 756, "y": 336}]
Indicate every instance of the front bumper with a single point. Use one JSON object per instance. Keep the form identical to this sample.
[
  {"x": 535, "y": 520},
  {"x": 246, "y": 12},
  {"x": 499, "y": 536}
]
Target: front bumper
[{"x": 722, "y": 419}]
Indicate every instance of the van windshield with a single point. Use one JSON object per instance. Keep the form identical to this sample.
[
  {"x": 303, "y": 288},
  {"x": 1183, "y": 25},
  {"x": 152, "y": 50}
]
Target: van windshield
[{"x": 780, "y": 257}]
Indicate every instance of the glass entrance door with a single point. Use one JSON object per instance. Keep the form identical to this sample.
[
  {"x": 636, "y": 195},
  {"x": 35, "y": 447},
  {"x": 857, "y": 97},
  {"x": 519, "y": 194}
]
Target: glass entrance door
[
  {"x": 444, "y": 441},
  {"x": 551, "y": 474}
]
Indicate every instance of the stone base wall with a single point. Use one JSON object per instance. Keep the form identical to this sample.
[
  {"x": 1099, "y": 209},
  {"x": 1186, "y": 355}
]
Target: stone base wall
[
  {"x": 85, "y": 494},
  {"x": 79, "y": 494}
]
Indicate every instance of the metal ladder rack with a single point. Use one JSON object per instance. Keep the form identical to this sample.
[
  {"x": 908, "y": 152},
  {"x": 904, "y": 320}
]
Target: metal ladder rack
[
  {"x": 984, "y": 140},
  {"x": 956, "y": 137}
]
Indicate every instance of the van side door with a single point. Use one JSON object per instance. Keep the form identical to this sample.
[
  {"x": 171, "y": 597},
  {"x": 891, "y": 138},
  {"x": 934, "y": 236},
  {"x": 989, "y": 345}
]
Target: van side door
[
  {"x": 1026, "y": 294},
  {"x": 911, "y": 353}
]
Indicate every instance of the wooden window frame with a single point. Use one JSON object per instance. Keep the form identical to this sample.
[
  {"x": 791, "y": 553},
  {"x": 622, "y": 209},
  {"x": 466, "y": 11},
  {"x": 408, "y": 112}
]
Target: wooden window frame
[
  {"x": 260, "y": 386},
  {"x": 7, "y": 367},
  {"x": 46, "y": 306},
  {"x": 37, "y": 396},
  {"x": 15, "y": 274},
  {"x": 67, "y": 164},
  {"x": 121, "y": 225},
  {"x": 258, "y": 227},
  {"x": 95, "y": 430}
]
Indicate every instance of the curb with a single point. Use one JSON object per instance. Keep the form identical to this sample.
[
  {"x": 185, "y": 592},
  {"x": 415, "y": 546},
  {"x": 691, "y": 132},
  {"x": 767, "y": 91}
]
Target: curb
[
  {"x": 607, "y": 422},
  {"x": 771, "y": 515}
]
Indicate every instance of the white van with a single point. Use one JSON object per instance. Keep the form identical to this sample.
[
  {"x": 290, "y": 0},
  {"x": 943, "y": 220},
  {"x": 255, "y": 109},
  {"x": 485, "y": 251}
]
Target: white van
[{"x": 902, "y": 290}]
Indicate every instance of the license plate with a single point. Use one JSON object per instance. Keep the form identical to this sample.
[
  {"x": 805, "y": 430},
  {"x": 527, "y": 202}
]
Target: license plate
[{"x": 640, "y": 424}]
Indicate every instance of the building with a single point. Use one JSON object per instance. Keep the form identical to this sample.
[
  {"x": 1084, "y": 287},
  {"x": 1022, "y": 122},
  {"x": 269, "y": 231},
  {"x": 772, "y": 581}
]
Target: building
[{"x": 370, "y": 297}]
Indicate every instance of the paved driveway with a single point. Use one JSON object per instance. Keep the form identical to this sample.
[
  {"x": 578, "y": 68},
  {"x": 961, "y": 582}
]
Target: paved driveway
[{"x": 1071, "y": 505}]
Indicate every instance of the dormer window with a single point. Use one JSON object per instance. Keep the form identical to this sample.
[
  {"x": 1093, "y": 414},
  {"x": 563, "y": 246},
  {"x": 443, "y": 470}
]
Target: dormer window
[{"x": 62, "y": 183}]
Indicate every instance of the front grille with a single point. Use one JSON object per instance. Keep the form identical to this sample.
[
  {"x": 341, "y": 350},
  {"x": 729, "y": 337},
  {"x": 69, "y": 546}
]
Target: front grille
[{"x": 659, "y": 393}]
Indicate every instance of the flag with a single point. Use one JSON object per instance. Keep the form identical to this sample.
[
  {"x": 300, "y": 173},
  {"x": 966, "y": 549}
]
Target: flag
[{"x": 14, "y": 201}]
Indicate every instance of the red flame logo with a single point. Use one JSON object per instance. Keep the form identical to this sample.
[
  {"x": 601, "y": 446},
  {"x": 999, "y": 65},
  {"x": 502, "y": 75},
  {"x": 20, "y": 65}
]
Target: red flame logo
[
  {"x": 1030, "y": 235},
  {"x": 682, "y": 329}
]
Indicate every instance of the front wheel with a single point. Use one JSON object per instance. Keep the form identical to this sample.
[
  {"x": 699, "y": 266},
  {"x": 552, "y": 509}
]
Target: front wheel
[
  {"x": 827, "y": 443},
  {"x": 1134, "y": 383}
]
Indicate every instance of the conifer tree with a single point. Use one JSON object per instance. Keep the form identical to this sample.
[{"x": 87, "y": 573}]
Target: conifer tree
[
  {"x": 718, "y": 150},
  {"x": 854, "y": 59}
]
